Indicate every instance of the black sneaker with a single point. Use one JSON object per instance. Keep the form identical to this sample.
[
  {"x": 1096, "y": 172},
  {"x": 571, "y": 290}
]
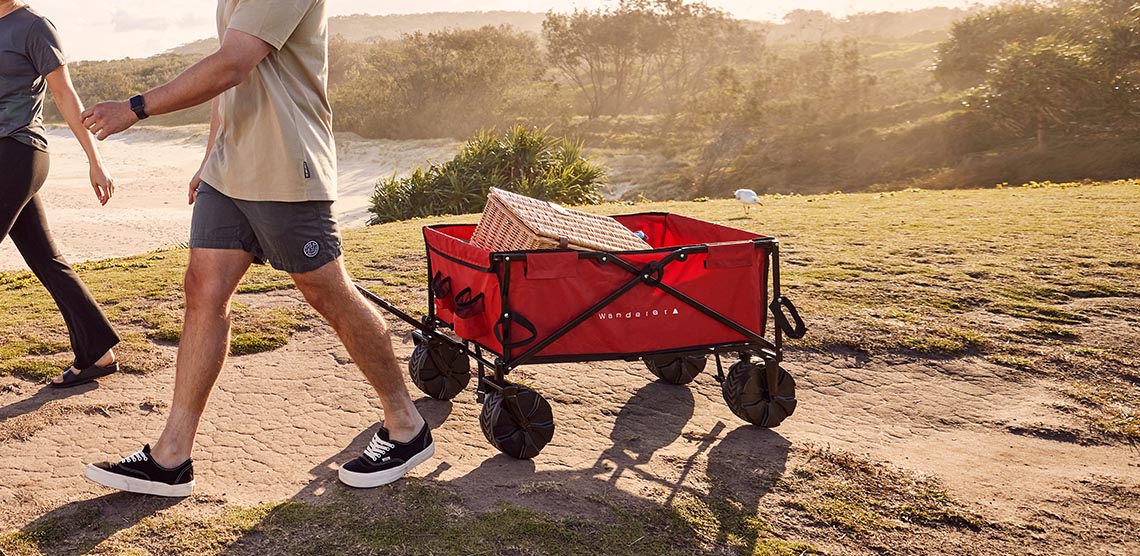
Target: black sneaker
[
  {"x": 141, "y": 474},
  {"x": 384, "y": 460}
]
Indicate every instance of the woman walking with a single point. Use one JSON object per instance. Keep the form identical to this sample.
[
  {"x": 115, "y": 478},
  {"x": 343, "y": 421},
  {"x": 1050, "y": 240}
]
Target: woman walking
[{"x": 31, "y": 62}]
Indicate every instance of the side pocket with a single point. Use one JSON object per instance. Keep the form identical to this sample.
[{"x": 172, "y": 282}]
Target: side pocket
[
  {"x": 441, "y": 292},
  {"x": 470, "y": 315}
]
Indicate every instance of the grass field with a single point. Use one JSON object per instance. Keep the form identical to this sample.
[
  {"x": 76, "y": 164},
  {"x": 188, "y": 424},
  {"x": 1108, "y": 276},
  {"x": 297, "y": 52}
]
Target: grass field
[{"x": 1042, "y": 280}]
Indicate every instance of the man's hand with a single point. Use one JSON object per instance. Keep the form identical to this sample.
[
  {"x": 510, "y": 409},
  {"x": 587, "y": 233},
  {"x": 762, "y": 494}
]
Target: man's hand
[
  {"x": 108, "y": 118},
  {"x": 102, "y": 183},
  {"x": 194, "y": 183}
]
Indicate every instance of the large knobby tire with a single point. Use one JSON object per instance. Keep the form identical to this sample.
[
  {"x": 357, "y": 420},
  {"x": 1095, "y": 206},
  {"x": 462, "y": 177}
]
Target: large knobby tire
[
  {"x": 676, "y": 369},
  {"x": 504, "y": 432},
  {"x": 439, "y": 368},
  {"x": 746, "y": 392}
]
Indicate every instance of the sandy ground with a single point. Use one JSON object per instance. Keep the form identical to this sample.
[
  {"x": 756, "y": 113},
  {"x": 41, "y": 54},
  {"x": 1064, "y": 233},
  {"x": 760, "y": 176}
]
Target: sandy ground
[
  {"x": 152, "y": 168},
  {"x": 277, "y": 430}
]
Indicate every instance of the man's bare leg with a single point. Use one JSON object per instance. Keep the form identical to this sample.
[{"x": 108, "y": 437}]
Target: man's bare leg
[
  {"x": 211, "y": 278},
  {"x": 366, "y": 336}
]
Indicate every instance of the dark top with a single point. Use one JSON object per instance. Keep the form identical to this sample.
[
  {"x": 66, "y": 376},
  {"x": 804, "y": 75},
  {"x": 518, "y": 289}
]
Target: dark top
[{"x": 29, "y": 50}]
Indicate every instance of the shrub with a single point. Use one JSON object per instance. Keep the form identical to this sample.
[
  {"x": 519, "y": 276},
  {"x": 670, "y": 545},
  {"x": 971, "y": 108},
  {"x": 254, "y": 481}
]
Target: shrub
[{"x": 523, "y": 160}]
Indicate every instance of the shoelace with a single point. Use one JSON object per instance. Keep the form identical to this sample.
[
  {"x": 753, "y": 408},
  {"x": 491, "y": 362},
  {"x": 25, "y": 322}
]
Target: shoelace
[
  {"x": 137, "y": 456},
  {"x": 378, "y": 448}
]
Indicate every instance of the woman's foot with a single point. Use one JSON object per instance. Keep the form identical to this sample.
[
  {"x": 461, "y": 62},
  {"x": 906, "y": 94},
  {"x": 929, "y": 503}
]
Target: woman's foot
[{"x": 74, "y": 377}]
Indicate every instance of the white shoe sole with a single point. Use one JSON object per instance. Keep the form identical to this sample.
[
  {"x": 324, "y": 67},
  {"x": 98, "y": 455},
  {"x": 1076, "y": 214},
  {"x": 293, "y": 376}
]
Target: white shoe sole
[
  {"x": 138, "y": 486},
  {"x": 381, "y": 478}
]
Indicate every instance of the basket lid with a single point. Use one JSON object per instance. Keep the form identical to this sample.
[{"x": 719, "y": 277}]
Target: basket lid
[{"x": 556, "y": 222}]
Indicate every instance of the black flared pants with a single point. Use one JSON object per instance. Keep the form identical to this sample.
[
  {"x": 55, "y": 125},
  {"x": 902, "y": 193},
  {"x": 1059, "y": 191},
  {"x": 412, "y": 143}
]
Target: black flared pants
[{"x": 23, "y": 170}]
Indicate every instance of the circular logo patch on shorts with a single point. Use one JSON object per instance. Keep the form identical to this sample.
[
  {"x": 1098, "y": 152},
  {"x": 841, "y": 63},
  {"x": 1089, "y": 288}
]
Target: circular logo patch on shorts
[{"x": 311, "y": 249}]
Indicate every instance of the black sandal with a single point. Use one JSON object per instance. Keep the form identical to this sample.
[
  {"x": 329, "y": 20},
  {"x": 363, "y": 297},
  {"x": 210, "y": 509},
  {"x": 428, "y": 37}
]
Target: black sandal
[{"x": 93, "y": 372}]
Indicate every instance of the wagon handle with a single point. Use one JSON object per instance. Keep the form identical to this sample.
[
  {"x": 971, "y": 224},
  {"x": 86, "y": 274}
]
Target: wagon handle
[
  {"x": 778, "y": 306},
  {"x": 522, "y": 321}
]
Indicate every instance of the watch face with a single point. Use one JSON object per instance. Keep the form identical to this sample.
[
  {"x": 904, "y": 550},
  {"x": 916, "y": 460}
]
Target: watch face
[{"x": 138, "y": 106}]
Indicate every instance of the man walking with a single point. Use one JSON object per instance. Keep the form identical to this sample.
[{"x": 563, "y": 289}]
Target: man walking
[{"x": 264, "y": 193}]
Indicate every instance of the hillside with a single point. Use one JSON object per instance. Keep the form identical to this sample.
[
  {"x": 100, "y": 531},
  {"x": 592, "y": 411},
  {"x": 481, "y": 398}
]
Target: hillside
[
  {"x": 967, "y": 387},
  {"x": 807, "y": 105},
  {"x": 370, "y": 28},
  {"x": 929, "y": 25},
  {"x": 926, "y": 25}
]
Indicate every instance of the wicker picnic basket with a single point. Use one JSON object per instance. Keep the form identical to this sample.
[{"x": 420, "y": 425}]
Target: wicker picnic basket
[{"x": 513, "y": 222}]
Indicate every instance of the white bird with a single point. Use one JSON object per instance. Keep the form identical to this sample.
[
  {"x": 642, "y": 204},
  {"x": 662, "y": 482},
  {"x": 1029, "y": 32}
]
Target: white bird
[{"x": 748, "y": 197}]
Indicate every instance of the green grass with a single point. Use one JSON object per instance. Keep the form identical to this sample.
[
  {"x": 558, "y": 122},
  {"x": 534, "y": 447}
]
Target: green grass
[
  {"x": 1023, "y": 277},
  {"x": 1011, "y": 274},
  {"x": 255, "y": 331},
  {"x": 871, "y": 504},
  {"x": 414, "y": 518},
  {"x": 142, "y": 296},
  {"x": 866, "y": 498}
]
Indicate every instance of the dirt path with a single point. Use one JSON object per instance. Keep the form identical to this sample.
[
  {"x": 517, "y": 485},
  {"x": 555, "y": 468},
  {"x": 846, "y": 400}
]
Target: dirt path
[{"x": 279, "y": 422}]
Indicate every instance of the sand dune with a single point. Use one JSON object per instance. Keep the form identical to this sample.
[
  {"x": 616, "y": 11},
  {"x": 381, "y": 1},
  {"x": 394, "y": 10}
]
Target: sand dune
[{"x": 152, "y": 168}]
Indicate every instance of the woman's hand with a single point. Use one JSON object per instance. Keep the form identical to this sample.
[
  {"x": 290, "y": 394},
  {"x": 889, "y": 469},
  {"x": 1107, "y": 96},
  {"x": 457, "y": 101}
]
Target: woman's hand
[{"x": 102, "y": 182}]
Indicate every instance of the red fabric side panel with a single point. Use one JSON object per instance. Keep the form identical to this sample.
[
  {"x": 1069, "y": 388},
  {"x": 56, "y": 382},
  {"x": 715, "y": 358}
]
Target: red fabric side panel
[
  {"x": 550, "y": 289},
  {"x": 652, "y": 225},
  {"x": 645, "y": 318},
  {"x": 731, "y": 255},
  {"x": 451, "y": 257},
  {"x": 689, "y": 231},
  {"x": 549, "y": 266},
  {"x": 673, "y": 230},
  {"x": 453, "y": 240}
]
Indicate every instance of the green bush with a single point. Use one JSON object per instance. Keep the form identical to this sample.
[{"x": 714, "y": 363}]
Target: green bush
[{"x": 523, "y": 160}]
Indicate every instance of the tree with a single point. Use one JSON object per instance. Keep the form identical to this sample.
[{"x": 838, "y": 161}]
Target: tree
[
  {"x": 604, "y": 54},
  {"x": 644, "y": 54},
  {"x": 1115, "y": 49},
  {"x": 810, "y": 25},
  {"x": 448, "y": 83},
  {"x": 695, "y": 40},
  {"x": 964, "y": 57},
  {"x": 346, "y": 58},
  {"x": 1036, "y": 87}
]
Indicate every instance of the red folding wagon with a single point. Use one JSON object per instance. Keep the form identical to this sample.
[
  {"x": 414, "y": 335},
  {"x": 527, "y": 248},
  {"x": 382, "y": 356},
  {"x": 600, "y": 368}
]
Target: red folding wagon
[{"x": 701, "y": 290}]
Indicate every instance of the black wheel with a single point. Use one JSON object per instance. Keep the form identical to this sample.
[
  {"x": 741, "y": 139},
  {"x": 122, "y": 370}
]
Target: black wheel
[
  {"x": 501, "y": 424},
  {"x": 676, "y": 369},
  {"x": 747, "y": 393},
  {"x": 438, "y": 367}
]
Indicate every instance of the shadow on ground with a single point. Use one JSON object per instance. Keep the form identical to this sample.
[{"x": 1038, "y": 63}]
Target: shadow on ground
[
  {"x": 729, "y": 472},
  {"x": 97, "y": 518},
  {"x": 42, "y": 396}
]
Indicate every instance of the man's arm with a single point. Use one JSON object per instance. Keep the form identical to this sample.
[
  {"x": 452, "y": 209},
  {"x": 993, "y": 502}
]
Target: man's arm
[{"x": 230, "y": 65}]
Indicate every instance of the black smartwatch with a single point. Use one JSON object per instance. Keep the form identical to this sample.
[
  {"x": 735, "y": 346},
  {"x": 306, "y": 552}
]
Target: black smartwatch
[{"x": 138, "y": 106}]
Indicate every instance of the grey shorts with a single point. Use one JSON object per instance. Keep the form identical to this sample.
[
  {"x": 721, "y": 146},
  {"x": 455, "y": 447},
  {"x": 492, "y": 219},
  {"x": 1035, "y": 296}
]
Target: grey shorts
[{"x": 293, "y": 237}]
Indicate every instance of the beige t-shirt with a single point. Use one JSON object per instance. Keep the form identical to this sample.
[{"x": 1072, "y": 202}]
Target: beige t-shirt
[{"x": 275, "y": 142}]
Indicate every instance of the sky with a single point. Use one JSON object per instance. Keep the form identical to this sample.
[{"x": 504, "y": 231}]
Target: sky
[{"x": 110, "y": 29}]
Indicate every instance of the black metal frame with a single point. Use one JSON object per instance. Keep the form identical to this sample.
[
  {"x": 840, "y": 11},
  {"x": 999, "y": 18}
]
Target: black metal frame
[{"x": 770, "y": 351}]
